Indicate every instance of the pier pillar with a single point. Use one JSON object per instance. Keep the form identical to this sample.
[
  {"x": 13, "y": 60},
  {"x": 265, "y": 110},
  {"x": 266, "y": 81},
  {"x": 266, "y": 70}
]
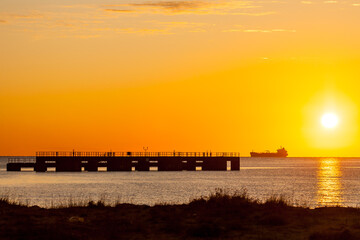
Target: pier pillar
[
  {"x": 143, "y": 164},
  {"x": 40, "y": 168},
  {"x": 13, "y": 167},
  {"x": 92, "y": 165},
  {"x": 170, "y": 164},
  {"x": 214, "y": 164},
  {"x": 190, "y": 164},
  {"x": 68, "y": 164},
  {"x": 40, "y": 165},
  {"x": 119, "y": 164},
  {"x": 235, "y": 164}
]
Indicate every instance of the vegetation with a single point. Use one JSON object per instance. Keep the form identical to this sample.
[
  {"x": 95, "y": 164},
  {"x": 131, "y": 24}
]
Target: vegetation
[{"x": 222, "y": 215}]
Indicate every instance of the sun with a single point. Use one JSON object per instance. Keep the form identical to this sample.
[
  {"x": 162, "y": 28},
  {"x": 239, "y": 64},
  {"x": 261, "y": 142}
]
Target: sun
[{"x": 329, "y": 120}]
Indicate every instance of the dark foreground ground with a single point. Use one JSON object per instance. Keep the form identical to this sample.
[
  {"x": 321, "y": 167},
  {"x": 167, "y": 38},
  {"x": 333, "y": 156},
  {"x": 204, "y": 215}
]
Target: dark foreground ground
[{"x": 219, "y": 216}]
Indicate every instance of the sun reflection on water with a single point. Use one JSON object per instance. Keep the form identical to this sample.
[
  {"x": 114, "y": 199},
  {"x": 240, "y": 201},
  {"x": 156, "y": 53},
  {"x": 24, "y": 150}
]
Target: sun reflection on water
[{"x": 329, "y": 189}]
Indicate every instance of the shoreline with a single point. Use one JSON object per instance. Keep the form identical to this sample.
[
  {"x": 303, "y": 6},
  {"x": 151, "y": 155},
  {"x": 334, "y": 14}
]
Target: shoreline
[{"x": 218, "y": 216}]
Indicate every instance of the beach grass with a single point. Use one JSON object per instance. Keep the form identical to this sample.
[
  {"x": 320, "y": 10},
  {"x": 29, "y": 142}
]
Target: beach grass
[{"x": 221, "y": 215}]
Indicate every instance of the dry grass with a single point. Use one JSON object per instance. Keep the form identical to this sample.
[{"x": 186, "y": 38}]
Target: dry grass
[{"x": 221, "y": 215}]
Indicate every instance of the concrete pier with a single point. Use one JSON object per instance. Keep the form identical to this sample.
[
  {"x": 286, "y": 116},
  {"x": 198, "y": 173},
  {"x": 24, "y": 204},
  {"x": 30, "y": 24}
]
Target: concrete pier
[{"x": 127, "y": 161}]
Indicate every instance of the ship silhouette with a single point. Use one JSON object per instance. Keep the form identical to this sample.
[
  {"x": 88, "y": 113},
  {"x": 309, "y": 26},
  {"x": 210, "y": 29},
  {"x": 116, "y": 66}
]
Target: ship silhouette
[{"x": 281, "y": 152}]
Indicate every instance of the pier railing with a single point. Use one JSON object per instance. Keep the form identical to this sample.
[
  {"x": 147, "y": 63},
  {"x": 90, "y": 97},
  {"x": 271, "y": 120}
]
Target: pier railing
[
  {"x": 21, "y": 160},
  {"x": 137, "y": 154}
]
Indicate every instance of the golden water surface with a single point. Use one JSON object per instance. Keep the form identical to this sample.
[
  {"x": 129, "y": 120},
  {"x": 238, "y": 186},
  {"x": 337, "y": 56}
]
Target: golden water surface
[{"x": 329, "y": 188}]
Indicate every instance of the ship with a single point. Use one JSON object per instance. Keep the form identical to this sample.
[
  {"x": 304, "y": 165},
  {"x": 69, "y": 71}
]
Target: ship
[{"x": 281, "y": 152}]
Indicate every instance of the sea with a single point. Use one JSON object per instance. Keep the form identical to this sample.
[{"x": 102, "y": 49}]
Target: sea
[{"x": 310, "y": 182}]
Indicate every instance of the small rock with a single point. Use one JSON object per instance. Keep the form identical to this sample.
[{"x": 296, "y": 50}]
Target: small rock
[{"x": 75, "y": 219}]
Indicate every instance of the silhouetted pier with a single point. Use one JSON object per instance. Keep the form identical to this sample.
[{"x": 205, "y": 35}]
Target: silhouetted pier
[{"x": 127, "y": 161}]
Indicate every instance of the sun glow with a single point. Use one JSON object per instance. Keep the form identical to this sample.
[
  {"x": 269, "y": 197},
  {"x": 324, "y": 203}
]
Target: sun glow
[{"x": 329, "y": 120}]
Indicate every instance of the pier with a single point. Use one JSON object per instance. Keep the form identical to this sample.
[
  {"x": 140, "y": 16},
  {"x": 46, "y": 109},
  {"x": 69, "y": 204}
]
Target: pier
[{"x": 126, "y": 161}]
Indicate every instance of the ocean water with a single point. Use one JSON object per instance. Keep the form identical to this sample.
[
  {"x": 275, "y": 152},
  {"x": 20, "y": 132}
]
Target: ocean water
[{"x": 303, "y": 181}]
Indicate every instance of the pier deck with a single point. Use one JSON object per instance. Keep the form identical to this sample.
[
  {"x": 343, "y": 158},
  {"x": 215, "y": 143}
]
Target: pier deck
[{"x": 127, "y": 161}]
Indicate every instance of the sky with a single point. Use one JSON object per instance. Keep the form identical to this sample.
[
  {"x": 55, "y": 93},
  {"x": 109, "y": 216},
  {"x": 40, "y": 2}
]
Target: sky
[{"x": 209, "y": 75}]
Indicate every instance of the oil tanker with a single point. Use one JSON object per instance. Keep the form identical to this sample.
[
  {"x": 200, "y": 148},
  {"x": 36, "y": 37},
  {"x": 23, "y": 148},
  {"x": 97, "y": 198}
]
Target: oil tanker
[{"x": 281, "y": 152}]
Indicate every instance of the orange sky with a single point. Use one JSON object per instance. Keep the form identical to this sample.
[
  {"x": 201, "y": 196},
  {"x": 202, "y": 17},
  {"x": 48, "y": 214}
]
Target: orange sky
[{"x": 179, "y": 75}]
